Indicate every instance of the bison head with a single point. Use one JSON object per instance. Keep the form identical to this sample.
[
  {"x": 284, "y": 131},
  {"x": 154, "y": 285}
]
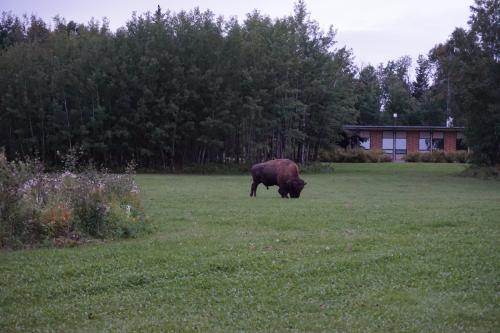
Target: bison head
[{"x": 295, "y": 186}]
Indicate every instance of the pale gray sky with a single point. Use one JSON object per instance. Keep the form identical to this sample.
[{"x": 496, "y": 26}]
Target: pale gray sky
[{"x": 376, "y": 30}]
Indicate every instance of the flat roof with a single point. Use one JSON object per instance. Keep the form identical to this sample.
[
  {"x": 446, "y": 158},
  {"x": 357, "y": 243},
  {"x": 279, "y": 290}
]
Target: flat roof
[{"x": 397, "y": 127}]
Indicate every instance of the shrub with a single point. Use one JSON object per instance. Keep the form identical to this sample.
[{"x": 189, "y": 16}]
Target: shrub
[
  {"x": 426, "y": 158},
  {"x": 484, "y": 172},
  {"x": 36, "y": 207},
  {"x": 461, "y": 156},
  {"x": 353, "y": 156},
  {"x": 412, "y": 157},
  {"x": 17, "y": 216},
  {"x": 56, "y": 220},
  {"x": 438, "y": 157},
  {"x": 379, "y": 156}
]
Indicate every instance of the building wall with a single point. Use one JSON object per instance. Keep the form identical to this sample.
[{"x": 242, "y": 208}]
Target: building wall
[
  {"x": 412, "y": 138},
  {"x": 375, "y": 140},
  {"x": 450, "y": 141}
]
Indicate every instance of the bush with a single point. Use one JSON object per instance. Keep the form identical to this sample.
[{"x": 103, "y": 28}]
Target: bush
[
  {"x": 17, "y": 216},
  {"x": 412, "y": 157},
  {"x": 461, "y": 156},
  {"x": 36, "y": 207},
  {"x": 353, "y": 156},
  {"x": 438, "y": 157},
  {"x": 484, "y": 172}
]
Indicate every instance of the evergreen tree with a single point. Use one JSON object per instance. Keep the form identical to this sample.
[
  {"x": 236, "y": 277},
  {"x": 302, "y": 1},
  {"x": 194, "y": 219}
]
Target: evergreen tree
[
  {"x": 368, "y": 96},
  {"x": 396, "y": 92},
  {"x": 421, "y": 84},
  {"x": 431, "y": 106}
]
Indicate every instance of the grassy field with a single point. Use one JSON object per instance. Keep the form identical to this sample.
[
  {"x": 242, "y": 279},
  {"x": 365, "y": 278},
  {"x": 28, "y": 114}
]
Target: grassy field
[{"x": 371, "y": 247}]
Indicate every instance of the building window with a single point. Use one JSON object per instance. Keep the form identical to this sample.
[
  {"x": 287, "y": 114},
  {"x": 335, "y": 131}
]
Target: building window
[
  {"x": 364, "y": 140},
  {"x": 461, "y": 142},
  {"x": 400, "y": 145},
  {"x": 437, "y": 141},
  {"x": 424, "y": 142},
  {"x": 388, "y": 143}
]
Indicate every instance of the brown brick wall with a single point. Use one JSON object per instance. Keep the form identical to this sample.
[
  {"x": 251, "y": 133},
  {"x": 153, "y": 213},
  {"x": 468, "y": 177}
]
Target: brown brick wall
[
  {"x": 450, "y": 141},
  {"x": 375, "y": 140},
  {"x": 412, "y": 138}
]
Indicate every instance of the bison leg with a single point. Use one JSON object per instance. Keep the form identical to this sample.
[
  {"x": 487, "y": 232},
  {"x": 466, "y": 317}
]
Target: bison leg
[
  {"x": 283, "y": 192},
  {"x": 253, "y": 189}
]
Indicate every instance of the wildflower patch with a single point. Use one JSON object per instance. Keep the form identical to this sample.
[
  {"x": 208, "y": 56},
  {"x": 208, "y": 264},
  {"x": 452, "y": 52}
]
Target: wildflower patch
[{"x": 65, "y": 207}]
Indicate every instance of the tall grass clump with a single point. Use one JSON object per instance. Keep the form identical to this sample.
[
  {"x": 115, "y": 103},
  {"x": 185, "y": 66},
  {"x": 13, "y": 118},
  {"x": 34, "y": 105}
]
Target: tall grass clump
[{"x": 65, "y": 207}]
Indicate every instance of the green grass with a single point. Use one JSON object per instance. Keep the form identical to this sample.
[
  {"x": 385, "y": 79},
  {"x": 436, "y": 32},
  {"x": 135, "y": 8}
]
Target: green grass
[{"x": 371, "y": 247}]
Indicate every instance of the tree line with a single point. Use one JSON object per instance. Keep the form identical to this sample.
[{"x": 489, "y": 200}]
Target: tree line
[{"x": 174, "y": 89}]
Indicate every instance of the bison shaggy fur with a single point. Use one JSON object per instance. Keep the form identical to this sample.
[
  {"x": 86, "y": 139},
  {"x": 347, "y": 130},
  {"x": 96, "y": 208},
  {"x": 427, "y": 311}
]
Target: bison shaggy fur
[{"x": 282, "y": 172}]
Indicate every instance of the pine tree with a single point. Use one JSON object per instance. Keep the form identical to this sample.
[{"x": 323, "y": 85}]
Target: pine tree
[{"x": 368, "y": 96}]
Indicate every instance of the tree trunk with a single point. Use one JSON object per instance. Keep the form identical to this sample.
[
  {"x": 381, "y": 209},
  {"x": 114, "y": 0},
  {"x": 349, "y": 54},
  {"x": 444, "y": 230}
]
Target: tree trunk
[{"x": 67, "y": 122}]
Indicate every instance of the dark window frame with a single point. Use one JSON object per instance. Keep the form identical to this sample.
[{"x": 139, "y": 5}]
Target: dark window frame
[
  {"x": 460, "y": 142},
  {"x": 437, "y": 143}
]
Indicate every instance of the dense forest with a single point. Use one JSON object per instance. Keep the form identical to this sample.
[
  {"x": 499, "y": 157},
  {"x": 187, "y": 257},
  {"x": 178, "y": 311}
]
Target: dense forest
[{"x": 175, "y": 89}]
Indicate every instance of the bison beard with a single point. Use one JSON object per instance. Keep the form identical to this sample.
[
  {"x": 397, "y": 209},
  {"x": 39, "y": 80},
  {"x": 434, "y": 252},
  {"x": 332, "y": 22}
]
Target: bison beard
[{"x": 283, "y": 173}]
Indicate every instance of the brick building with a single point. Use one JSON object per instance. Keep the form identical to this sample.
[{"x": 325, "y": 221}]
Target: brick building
[{"x": 397, "y": 141}]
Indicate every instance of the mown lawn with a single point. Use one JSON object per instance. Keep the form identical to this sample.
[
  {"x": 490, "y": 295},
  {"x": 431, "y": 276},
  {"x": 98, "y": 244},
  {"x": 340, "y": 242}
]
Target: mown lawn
[{"x": 371, "y": 247}]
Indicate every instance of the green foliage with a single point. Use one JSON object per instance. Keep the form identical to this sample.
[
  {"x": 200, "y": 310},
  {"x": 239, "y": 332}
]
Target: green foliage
[
  {"x": 387, "y": 90},
  {"x": 368, "y": 97},
  {"x": 125, "y": 216},
  {"x": 431, "y": 99},
  {"x": 469, "y": 63},
  {"x": 396, "y": 94},
  {"x": 353, "y": 156},
  {"x": 439, "y": 157},
  {"x": 181, "y": 89},
  {"x": 385, "y": 247},
  {"x": 421, "y": 84},
  {"x": 170, "y": 90}
]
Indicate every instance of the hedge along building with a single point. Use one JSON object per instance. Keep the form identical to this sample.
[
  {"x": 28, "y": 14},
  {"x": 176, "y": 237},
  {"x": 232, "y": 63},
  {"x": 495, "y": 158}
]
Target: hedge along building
[{"x": 397, "y": 141}]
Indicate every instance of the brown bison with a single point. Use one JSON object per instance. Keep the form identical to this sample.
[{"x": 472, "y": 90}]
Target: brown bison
[{"x": 283, "y": 173}]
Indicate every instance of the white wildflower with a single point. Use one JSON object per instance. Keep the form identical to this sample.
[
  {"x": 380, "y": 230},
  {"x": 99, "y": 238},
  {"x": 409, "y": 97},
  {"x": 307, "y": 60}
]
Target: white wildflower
[
  {"x": 68, "y": 174},
  {"x": 135, "y": 188}
]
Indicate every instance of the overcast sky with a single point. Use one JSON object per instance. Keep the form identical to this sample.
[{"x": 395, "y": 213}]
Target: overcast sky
[{"x": 376, "y": 30}]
